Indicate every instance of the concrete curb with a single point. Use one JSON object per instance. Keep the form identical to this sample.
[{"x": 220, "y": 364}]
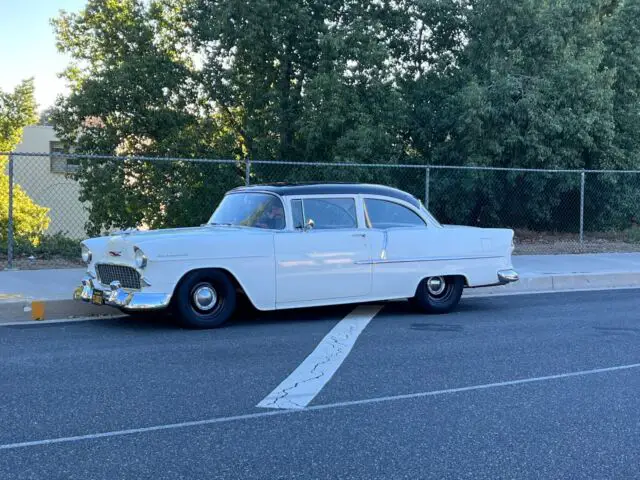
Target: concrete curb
[
  {"x": 563, "y": 283},
  {"x": 15, "y": 310},
  {"x": 50, "y": 309}
]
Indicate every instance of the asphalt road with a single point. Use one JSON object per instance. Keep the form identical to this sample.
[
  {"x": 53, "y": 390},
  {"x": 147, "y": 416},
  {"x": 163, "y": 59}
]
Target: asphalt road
[{"x": 64, "y": 381}]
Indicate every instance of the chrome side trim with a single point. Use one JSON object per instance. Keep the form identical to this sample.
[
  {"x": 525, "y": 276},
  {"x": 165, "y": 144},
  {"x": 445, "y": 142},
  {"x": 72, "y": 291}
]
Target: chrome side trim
[
  {"x": 118, "y": 297},
  {"x": 424, "y": 259}
]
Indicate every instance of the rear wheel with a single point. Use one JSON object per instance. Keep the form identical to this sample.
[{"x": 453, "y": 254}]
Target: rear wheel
[
  {"x": 438, "y": 294},
  {"x": 205, "y": 299}
]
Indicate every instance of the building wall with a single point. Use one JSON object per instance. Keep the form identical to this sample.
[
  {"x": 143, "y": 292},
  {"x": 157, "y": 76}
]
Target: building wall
[{"x": 44, "y": 179}]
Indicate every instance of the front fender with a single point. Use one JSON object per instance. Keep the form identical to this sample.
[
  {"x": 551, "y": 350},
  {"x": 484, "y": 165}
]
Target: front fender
[{"x": 247, "y": 256}]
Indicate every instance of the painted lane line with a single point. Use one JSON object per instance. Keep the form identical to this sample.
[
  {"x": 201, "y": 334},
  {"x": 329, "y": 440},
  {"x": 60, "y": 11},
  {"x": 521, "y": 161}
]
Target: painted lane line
[
  {"x": 328, "y": 406},
  {"x": 130, "y": 431},
  {"x": 306, "y": 381}
]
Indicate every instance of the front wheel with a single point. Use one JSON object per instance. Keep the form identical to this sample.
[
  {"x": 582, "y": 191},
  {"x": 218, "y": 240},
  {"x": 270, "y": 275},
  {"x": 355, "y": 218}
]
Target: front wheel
[
  {"x": 438, "y": 294},
  {"x": 205, "y": 299}
]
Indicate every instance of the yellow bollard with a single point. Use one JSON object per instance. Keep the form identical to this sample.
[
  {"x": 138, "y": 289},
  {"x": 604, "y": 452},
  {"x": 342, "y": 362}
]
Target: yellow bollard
[{"x": 37, "y": 310}]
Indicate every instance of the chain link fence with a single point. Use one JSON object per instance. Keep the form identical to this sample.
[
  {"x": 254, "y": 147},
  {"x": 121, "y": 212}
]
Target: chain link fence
[{"x": 49, "y": 202}]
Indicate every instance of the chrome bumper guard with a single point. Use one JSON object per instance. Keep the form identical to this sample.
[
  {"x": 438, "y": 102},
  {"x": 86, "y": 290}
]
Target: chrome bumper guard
[
  {"x": 118, "y": 297},
  {"x": 508, "y": 276}
]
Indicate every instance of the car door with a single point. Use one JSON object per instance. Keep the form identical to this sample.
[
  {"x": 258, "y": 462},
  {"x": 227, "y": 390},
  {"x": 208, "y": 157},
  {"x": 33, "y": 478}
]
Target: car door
[
  {"x": 401, "y": 243},
  {"x": 329, "y": 260}
]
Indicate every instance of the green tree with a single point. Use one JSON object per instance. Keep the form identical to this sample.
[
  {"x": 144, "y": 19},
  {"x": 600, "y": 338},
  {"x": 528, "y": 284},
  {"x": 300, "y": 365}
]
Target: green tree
[
  {"x": 531, "y": 91},
  {"x": 17, "y": 110},
  {"x": 137, "y": 94},
  {"x": 45, "y": 116},
  {"x": 291, "y": 80},
  {"x": 518, "y": 83},
  {"x": 622, "y": 43},
  {"x": 304, "y": 80}
]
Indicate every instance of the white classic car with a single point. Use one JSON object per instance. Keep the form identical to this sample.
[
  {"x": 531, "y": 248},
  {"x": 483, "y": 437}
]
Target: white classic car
[{"x": 297, "y": 245}]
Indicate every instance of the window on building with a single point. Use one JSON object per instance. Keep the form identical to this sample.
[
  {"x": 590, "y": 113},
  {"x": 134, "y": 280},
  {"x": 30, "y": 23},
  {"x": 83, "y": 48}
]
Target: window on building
[{"x": 61, "y": 164}]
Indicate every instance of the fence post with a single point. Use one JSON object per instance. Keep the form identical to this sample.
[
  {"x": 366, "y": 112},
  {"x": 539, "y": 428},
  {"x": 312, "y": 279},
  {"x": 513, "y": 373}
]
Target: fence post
[
  {"x": 247, "y": 172},
  {"x": 582, "y": 179},
  {"x": 10, "y": 220},
  {"x": 426, "y": 187}
]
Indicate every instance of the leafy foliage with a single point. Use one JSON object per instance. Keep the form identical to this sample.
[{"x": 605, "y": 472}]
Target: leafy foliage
[
  {"x": 48, "y": 247},
  {"x": 517, "y": 83},
  {"x": 17, "y": 110},
  {"x": 533, "y": 91}
]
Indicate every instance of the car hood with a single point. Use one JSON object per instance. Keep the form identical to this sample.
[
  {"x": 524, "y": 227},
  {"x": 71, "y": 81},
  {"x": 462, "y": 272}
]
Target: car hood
[
  {"x": 143, "y": 236},
  {"x": 165, "y": 243}
]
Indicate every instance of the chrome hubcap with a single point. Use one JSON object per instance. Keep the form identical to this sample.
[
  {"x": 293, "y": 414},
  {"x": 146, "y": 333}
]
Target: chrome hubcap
[
  {"x": 205, "y": 298},
  {"x": 436, "y": 285}
]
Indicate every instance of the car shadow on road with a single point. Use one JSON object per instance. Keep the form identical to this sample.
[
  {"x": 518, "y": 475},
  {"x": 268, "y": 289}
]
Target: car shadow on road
[
  {"x": 245, "y": 316},
  {"x": 146, "y": 321},
  {"x": 248, "y": 316},
  {"x": 468, "y": 305}
]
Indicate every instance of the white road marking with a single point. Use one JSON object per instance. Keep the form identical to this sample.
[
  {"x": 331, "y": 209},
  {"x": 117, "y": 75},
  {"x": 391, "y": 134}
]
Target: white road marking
[
  {"x": 328, "y": 406},
  {"x": 306, "y": 381},
  {"x": 155, "y": 428}
]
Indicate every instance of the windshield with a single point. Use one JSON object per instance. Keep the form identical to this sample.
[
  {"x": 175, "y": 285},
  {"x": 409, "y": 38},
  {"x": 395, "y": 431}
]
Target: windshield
[{"x": 259, "y": 210}]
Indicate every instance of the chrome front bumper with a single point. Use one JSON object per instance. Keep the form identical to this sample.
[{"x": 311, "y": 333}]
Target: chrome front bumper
[
  {"x": 508, "y": 276},
  {"x": 118, "y": 297}
]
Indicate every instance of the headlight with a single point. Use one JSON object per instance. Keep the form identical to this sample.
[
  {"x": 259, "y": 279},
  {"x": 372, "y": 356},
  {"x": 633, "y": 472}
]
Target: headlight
[
  {"x": 141, "y": 259},
  {"x": 86, "y": 254}
]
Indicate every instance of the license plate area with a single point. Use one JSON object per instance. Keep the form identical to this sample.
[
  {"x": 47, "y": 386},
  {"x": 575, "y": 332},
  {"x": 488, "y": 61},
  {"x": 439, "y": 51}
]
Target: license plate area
[{"x": 97, "y": 298}]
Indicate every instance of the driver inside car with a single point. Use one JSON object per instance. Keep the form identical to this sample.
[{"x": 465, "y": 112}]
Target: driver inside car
[{"x": 273, "y": 217}]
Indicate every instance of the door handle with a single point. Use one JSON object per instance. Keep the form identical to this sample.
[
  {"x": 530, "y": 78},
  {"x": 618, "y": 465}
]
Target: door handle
[{"x": 359, "y": 235}]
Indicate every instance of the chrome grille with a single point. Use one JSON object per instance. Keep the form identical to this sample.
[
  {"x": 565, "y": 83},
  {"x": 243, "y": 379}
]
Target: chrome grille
[{"x": 127, "y": 276}]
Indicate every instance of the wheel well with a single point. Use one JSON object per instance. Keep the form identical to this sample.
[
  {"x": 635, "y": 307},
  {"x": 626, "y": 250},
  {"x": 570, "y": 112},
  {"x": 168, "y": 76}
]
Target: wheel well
[{"x": 229, "y": 275}]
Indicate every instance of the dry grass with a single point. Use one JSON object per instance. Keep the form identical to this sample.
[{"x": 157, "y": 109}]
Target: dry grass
[
  {"x": 24, "y": 263},
  {"x": 549, "y": 243}
]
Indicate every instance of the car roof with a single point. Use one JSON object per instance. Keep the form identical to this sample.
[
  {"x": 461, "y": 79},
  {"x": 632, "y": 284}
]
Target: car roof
[{"x": 290, "y": 189}]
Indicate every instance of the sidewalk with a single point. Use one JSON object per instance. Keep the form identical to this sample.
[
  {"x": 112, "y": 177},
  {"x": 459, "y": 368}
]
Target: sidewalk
[
  {"x": 546, "y": 273},
  {"x": 44, "y": 294},
  {"x": 38, "y": 294}
]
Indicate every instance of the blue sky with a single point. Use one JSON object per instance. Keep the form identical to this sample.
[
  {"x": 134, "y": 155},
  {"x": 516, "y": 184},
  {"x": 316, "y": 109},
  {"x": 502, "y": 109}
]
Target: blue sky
[{"x": 27, "y": 46}]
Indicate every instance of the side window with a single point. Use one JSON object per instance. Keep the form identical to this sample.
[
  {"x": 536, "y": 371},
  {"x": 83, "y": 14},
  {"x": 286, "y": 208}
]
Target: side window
[
  {"x": 328, "y": 213},
  {"x": 385, "y": 214}
]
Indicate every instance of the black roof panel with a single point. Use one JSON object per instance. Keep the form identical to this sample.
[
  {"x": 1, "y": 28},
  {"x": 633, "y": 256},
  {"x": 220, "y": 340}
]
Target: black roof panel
[{"x": 288, "y": 189}]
